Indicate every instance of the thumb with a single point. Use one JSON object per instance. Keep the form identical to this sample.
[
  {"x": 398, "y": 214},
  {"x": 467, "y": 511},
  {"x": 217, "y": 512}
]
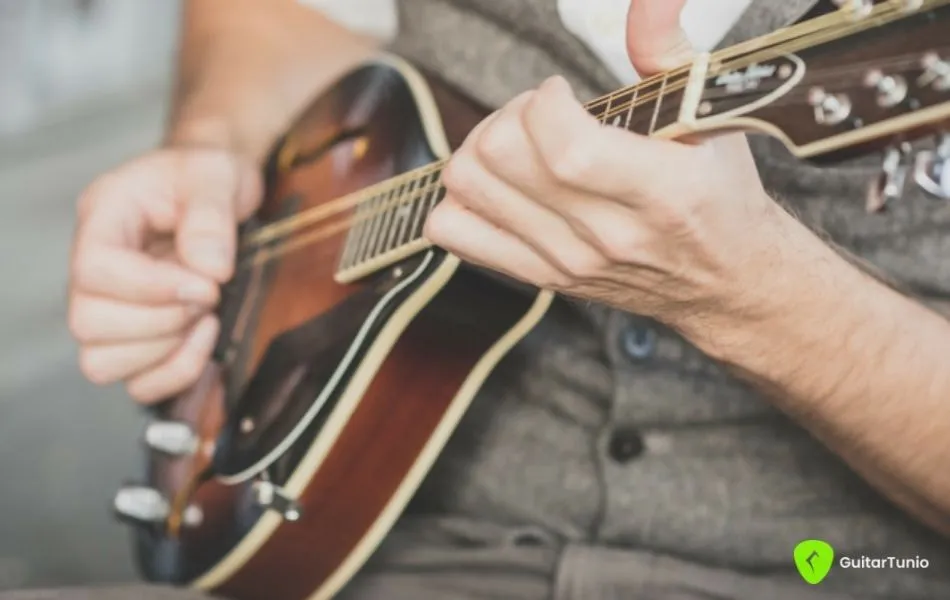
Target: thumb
[
  {"x": 218, "y": 191},
  {"x": 656, "y": 41}
]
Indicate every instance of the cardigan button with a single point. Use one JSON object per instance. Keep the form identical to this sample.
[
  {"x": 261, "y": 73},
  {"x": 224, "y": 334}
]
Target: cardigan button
[
  {"x": 638, "y": 342},
  {"x": 625, "y": 444}
]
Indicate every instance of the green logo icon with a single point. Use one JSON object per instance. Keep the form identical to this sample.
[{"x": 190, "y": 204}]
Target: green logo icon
[{"x": 814, "y": 559}]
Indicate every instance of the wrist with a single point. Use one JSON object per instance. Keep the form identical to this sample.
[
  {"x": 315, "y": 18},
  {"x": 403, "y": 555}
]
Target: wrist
[{"x": 784, "y": 291}]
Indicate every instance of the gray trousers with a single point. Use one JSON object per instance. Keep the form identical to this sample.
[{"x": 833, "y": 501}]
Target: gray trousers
[{"x": 461, "y": 559}]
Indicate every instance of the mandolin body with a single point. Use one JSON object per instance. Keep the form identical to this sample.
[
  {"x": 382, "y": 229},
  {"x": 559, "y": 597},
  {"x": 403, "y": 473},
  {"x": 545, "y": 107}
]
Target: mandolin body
[{"x": 329, "y": 401}]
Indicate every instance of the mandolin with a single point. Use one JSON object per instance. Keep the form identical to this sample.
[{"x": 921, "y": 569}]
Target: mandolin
[{"x": 278, "y": 474}]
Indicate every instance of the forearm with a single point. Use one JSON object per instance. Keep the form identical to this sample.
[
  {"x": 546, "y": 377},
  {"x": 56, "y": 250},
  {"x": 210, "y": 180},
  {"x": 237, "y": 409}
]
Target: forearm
[
  {"x": 864, "y": 368},
  {"x": 247, "y": 67}
]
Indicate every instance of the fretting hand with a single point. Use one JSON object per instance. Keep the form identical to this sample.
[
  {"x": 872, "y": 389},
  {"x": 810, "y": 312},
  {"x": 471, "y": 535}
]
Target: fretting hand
[{"x": 543, "y": 192}]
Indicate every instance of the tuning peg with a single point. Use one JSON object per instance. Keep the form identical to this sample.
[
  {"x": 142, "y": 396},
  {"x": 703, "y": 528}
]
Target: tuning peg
[
  {"x": 932, "y": 169},
  {"x": 147, "y": 506},
  {"x": 936, "y": 72},
  {"x": 830, "y": 109},
  {"x": 889, "y": 186},
  {"x": 859, "y": 8},
  {"x": 171, "y": 437},
  {"x": 141, "y": 504},
  {"x": 891, "y": 89}
]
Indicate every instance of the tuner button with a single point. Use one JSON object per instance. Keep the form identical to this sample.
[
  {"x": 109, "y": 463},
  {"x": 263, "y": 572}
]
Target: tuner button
[
  {"x": 936, "y": 72},
  {"x": 932, "y": 170},
  {"x": 889, "y": 186},
  {"x": 860, "y": 8},
  {"x": 891, "y": 89},
  {"x": 141, "y": 504},
  {"x": 830, "y": 109},
  {"x": 171, "y": 437}
]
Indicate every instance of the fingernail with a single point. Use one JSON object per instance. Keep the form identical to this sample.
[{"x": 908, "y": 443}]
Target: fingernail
[{"x": 195, "y": 292}]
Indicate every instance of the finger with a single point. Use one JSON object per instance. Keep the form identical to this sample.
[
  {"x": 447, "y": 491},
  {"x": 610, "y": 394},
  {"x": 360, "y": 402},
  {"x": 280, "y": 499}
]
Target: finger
[
  {"x": 514, "y": 105},
  {"x": 107, "y": 364},
  {"x": 179, "y": 370},
  {"x": 655, "y": 40},
  {"x": 210, "y": 194},
  {"x": 504, "y": 148},
  {"x": 604, "y": 161},
  {"x": 508, "y": 209},
  {"x": 477, "y": 241},
  {"x": 131, "y": 276},
  {"x": 97, "y": 320}
]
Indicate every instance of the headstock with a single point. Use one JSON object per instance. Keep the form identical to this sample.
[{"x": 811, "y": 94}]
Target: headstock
[{"x": 873, "y": 76}]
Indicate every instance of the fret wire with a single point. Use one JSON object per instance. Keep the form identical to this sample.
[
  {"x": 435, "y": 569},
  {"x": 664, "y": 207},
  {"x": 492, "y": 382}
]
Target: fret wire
[
  {"x": 375, "y": 220},
  {"x": 366, "y": 224},
  {"x": 656, "y": 109},
  {"x": 633, "y": 105},
  {"x": 387, "y": 214},
  {"x": 619, "y": 108},
  {"x": 604, "y": 116},
  {"x": 392, "y": 212},
  {"x": 418, "y": 222},
  {"x": 430, "y": 205},
  {"x": 416, "y": 208},
  {"x": 354, "y": 236},
  {"x": 399, "y": 218}
]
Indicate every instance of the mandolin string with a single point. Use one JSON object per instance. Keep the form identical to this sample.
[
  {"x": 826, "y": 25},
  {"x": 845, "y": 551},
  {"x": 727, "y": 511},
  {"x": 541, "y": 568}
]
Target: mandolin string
[
  {"x": 802, "y": 43},
  {"x": 821, "y": 23},
  {"x": 421, "y": 191},
  {"x": 271, "y": 231},
  {"x": 305, "y": 238},
  {"x": 818, "y": 76},
  {"x": 424, "y": 190},
  {"x": 308, "y": 237}
]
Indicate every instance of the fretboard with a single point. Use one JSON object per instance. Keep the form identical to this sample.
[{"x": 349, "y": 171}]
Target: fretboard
[{"x": 388, "y": 226}]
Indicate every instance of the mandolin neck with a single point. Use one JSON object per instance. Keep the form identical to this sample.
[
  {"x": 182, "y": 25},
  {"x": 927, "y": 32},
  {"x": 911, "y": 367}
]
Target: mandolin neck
[{"x": 808, "y": 85}]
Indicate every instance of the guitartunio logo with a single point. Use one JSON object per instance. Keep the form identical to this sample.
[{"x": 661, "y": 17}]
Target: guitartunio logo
[{"x": 814, "y": 560}]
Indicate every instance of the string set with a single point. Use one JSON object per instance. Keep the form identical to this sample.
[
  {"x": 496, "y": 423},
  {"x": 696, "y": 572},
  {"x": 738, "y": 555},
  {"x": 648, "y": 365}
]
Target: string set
[{"x": 810, "y": 33}]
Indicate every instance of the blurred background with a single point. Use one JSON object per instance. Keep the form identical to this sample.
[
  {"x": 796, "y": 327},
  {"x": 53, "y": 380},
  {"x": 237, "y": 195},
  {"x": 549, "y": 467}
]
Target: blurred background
[{"x": 83, "y": 86}]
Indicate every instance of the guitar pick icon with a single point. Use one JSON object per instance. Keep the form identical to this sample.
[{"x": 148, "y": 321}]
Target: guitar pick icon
[{"x": 814, "y": 559}]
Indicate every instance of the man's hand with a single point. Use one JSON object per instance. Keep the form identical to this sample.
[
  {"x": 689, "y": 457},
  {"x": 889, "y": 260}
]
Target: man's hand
[
  {"x": 686, "y": 234},
  {"x": 544, "y": 193},
  {"x": 155, "y": 238}
]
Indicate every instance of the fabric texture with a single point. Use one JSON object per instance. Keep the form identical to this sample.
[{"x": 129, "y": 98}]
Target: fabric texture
[{"x": 616, "y": 437}]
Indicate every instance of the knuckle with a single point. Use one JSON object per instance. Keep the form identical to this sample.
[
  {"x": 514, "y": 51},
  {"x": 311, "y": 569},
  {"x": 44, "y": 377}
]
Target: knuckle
[
  {"x": 620, "y": 245},
  {"x": 583, "y": 265},
  {"x": 674, "y": 221},
  {"x": 494, "y": 144},
  {"x": 571, "y": 164},
  {"x": 460, "y": 174}
]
